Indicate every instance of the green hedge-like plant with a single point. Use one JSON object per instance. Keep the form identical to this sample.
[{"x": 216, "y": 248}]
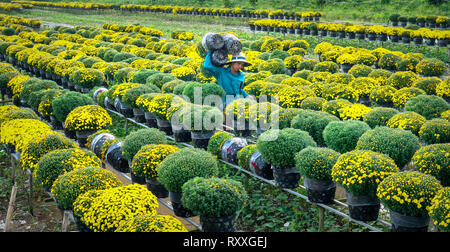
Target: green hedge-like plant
[
  {"x": 429, "y": 106},
  {"x": 131, "y": 95},
  {"x": 200, "y": 118},
  {"x": 135, "y": 140},
  {"x": 179, "y": 167},
  {"x": 313, "y": 122},
  {"x": 342, "y": 136},
  {"x": 65, "y": 103},
  {"x": 159, "y": 79},
  {"x": 206, "y": 89},
  {"x": 399, "y": 144},
  {"x": 141, "y": 75},
  {"x": 379, "y": 116},
  {"x": 316, "y": 163},
  {"x": 278, "y": 147},
  {"x": 213, "y": 196}
]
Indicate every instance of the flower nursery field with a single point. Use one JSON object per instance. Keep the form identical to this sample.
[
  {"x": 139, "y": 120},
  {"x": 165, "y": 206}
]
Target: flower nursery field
[{"x": 361, "y": 107}]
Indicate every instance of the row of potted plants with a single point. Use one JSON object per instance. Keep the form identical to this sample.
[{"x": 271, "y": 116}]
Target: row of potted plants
[
  {"x": 422, "y": 21},
  {"x": 14, "y": 6},
  {"x": 30, "y": 22},
  {"x": 73, "y": 5},
  {"x": 230, "y": 12},
  {"x": 354, "y": 31},
  {"x": 380, "y": 58}
]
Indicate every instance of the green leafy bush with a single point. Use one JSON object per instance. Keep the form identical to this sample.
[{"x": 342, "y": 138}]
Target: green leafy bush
[
  {"x": 379, "y": 116},
  {"x": 244, "y": 156},
  {"x": 206, "y": 90},
  {"x": 429, "y": 106},
  {"x": 342, "y": 136},
  {"x": 135, "y": 140},
  {"x": 65, "y": 103},
  {"x": 278, "y": 147},
  {"x": 219, "y": 197},
  {"x": 158, "y": 79},
  {"x": 179, "y": 167},
  {"x": 132, "y": 94},
  {"x": 326, "y": 66},
  {"x": 313, "y": 122},
  {"x": 316, "y": 163},
  {"x": 399, "y": 144}
]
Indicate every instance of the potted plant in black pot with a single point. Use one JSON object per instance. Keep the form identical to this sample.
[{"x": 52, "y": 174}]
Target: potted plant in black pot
[
  {"x": 238, "y": 115},
  {"x": 132, "y": 94},
  {"x": 315, "y": 165},
  {"x": 159, "y": 107},
  {"x": 202, "y": 121},
  {"x": 143, "y": 102},
  {"x": 86, "y": 120},
  {"x": 65, "y": 103},
  {"x": 217, "y": 201},
  {"x": 87, "y": 78},
  {"x": 408, "y": 195},
  {"x": 394, "y": 19},
  {"x": 181, "y": 166},
  {"x": 359, "y": 172},
  {"x": 135, "y": 140},
  {"x": 403, "y": 21},
  {"x": 145, "y": 164},
  {"x": 278, "y": 147}
]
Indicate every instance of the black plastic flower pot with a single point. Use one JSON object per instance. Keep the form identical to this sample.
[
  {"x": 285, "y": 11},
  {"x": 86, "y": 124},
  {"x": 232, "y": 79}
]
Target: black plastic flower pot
[
  {"x": 165, "y": 126},
  {"x": 181, "y": 135},
  {"x": 201, "y": 139},
  {"x": 363, "y": 208},
  {"x": 82, "y": 136},
  {"x": 320, "y": 191},
  {"x": 405, "y": 223},
  {"x": 150, "y": 120},
  {"x": 157, "y": 188},
  {"x": 178, "y": 208},
  {"x": 218, "y": 224},
  {"x": 138, "y": 115},
  {"x": 286, "y": 177}
]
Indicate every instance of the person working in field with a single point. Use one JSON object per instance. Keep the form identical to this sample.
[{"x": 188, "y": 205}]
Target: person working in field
[{"x": 231, "y": 78}]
